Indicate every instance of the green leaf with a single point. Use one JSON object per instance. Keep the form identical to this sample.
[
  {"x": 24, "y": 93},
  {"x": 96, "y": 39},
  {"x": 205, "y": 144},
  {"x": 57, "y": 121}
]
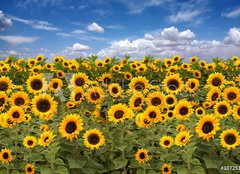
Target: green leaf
[
  {"x": 61, "y": 170},
  {"x": 76, "y": 163},
  {"x": 140, "y": 171},
  {"x": 15, "y": 172},
  {"x": 198, "y": 169},
  {"x": 45, "y": 169},
  {"x": 119, "y": 163},
  {"x": 211, "y": 162},
  {"x": 182, "y": 169},
  {"x": 196, "y": 161}
]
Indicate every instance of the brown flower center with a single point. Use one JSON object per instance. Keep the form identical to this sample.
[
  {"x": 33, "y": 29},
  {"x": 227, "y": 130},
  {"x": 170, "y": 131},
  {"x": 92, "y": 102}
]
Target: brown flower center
[
  {"x": 71, "y": 127},
  {"x": 3, "y": 86},
  {"x": 137, "y": 102},
  {"x": 139, "y": 86},
  {"x": 231, "y": 95},
  {"x": 43, "y": 105},
  {"x": 36, "y": 84},
  {"x": 93, "y": 139},
  {"x": 16, "y": 114},
  {"x": 95, "y": 96},
  {"x": 152, "y": 114},
  {"x": 230, "y": 139},
  {"x": 142, "y": 155},
  {"x": 79, "y": 81},
  {"x": 173, "y": 84},
  {"x": 19, "y": 101},
  {"x": 216, "y": 81},
  {"x": 118, "y": 114},
  {"x": 184, "y": 111},
  {"x": 207, "y": 127},
  {"x": 156, "y": 101},
  {"x": 222, "y": 109},
  {"x": 78, "y": 96}
]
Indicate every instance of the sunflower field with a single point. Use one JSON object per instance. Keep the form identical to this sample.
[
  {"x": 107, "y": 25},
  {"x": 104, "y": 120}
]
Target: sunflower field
[{"x": 119, "y": 116}]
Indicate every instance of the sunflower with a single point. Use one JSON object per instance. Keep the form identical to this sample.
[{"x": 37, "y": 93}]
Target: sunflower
[
  {"x": 185, "y": 66},
  {"x": 139, "y": 84},
  {"x": 93, "y": 139},
  {"x": 30, "y": 142},
  {"x": 46, "y": 138},
  {"x": 155, "y": 99},
  {"x": 36, "y": 84},
  {"x": 17, "y": 113},
  {"x": 193, "y": 59},
  {"x": 213, "y": 95},
  {"x": 5, "y": 84},
  {"x": 99, "y": 63},
  {"x": 60, "y": 74},
  {"x": 180, "y": 127},
  {"x": 153, "y": 113},
  {"x": 107, "y": 60},
  {"x": 44, "y": 106},
  {"x": 197, "y": 74},
  {"x": 166, "y": 169},
  {"x": 230, "y": 139},
  {"x": 207, "y": 127},
  {"x": 70, "y": 105},
  {"x": 170, "y": 114},
  {"x": 182, "y": 138},
  {"x": 192, "y": 85},
  {"x": 27, "y": 118},
  {"x": 231, "y": 94},
  {"x": 55, "y": 85},
  {"x": 95, "y": 95},
  {"x": 3, "y": 100},
  {"x": 200, "y": 112},
  {"x": 142, "y": 156},
  {"x": 70, "y": 126},
  {"x": 136, "y": 101},
  {"x": 19, "y": 99},
  {"x": 216, "y": 80},
  {"x": 115, "y": 90},
  {"x": 173, "y": 84},
  {"x": 6, "y": 120},
  {"x": 170, "y": 100},
  {"x": 166, "y": 142},
  {"x": 57, "y": 59},
  {"x": 236, "y": 112},
  {"x": 44, "y": 127},
  {"x": 106, "y": 78},
  {"x": 183, "y": 110},
  {"x": 77, "y": 95},
  {"x": 79, "y": 79},
  {"x": 29, "y": 169},
  {"x": 142, "y": 120},
  {"x": 222, "y": 109},
  {"x": 5, "y": 156},
  {"x": 128, "y": 76},
  {"x": 119, "y": 112},
  {"x": 211, "y": 66},
  {"x": 202, "y": 63},
  {"x": 176, "y": 58},
  {"x": 48, "y": 66}
]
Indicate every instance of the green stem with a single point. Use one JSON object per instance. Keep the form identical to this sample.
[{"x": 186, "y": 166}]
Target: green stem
[
  {"x": 7, "y": 169},
  {"x": 123, "y": 153}
]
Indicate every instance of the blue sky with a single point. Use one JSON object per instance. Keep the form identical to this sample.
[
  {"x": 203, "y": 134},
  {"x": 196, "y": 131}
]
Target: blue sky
[{"x": 162, "y": 28}]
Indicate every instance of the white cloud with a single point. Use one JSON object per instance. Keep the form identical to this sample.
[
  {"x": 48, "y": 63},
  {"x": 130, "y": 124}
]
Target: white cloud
[
  {"x": 42, "y": 3},
  {"x": 14, "y": 40},
  {"x": 171, "y": 41},
  {"x": 4, "y": 21},
  {"x": 232, "y": 14},
  {"x": 75, "y": 51},
  {"x": 138, "y": 6},
  {"x": 64, "y": 34},
  {"x": 79, "y": 47},
  {"x": 94, "y": 27},
  {"x": 12, "y": 52},
  {"x": 233, "y": 36},
  {"x": 78, "y": 31},
  {"x": 36, "y": 24},
  {"x": 185, "y": 16}
]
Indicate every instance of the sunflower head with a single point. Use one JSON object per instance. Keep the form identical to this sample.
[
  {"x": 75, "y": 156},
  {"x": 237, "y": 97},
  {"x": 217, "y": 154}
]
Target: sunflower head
[
  {"x": 173, "y": 84},
  {"x": 115, "y": 90},
  {"x": 216, "y": 80},
  {"x": 36, "y": 84},
  {"x": 166, "y": 142},
  {"x": 166, "y": 169},
  {"x": 139, "y": 84},
  {"x": 79, "y": 79},
  {"x": 5, "y": 156},
  {"x": 183, "y": 110},
  {"x": 207, "y": 127},
  {"x": 29, "y": 169},
  {"x": 136, "y": 101},
  {"x": 93, "y": 139},
  {"x": 182, "y": 138},
  {"x": 95, "y": 95},
  {"x": 230, "y": 139},
  {"x": 222, "y": 109},
  {"x": 30, "y": 142},
  {"x": 70, "y": 126},
  {"x": 46, "y": 138},
  {"x": 142, "y": 156},
  {"x": 5, "y": 83}
]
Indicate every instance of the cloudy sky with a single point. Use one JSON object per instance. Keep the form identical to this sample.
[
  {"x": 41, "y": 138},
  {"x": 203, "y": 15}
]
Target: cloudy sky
[{"x": 162, "y": 28}]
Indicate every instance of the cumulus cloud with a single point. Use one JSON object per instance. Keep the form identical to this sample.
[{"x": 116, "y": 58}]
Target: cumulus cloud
[
  {"x": 232, "y": 14},
  {"x": 14, "y": 40},
  {"x": 171, "y": 41},
  {"x": 75, "y": 50},
  {"x": 4, "y": 21},
  {"x": 233, "y": 36},
  {"x": 94, "y": 27},
  {"x": 185, "y": 16}
]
